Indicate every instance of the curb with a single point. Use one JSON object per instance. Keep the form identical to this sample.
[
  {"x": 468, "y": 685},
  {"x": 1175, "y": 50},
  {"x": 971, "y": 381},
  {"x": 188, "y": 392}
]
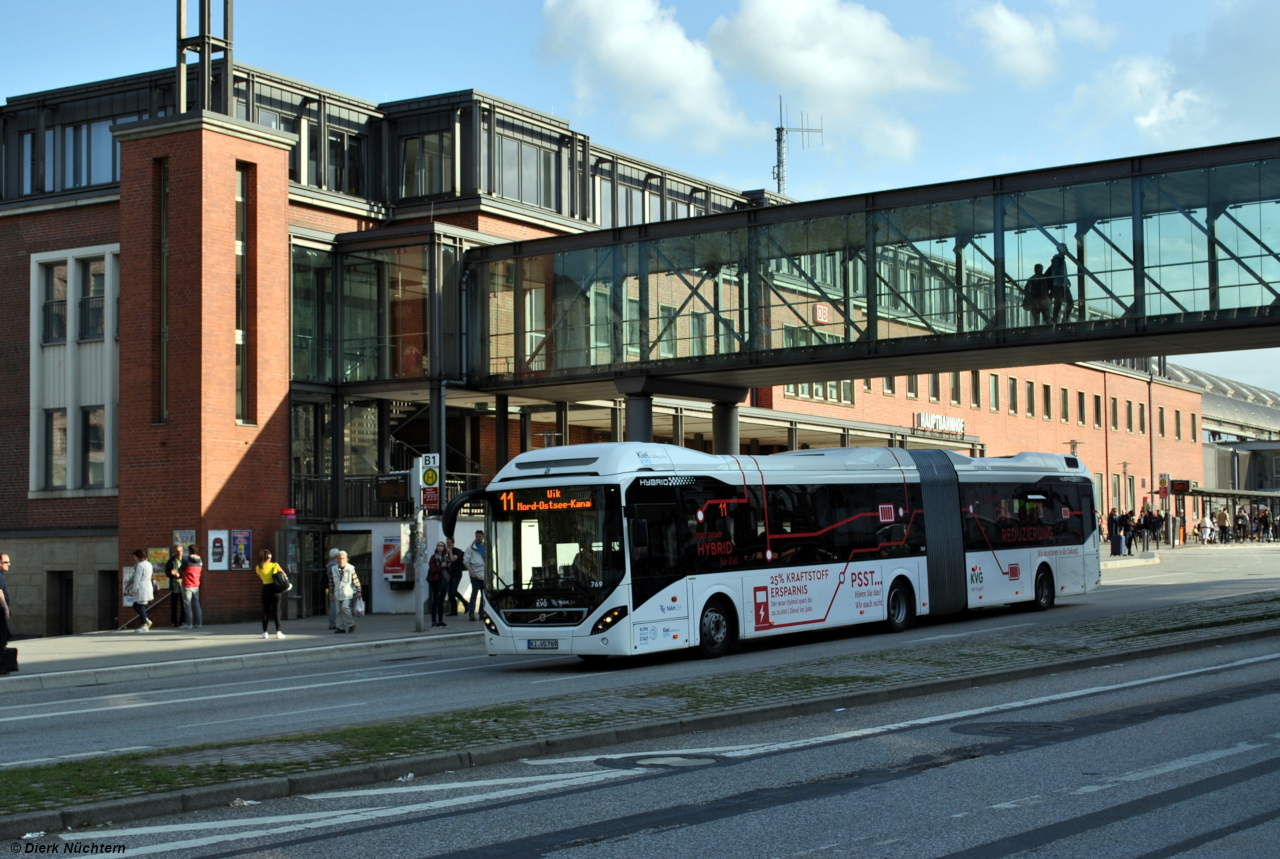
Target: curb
[
  {"x": 1142, "y": 560},
  {"x": 213, "y": 664},
  {"x": 320, "y": 781}
]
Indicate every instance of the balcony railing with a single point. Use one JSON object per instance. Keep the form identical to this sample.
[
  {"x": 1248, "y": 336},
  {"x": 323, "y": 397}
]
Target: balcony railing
[
  {"x": 92, "y": 317},
  {"x": 55, "y": 322},
  {"x": 313, "y": 497}
]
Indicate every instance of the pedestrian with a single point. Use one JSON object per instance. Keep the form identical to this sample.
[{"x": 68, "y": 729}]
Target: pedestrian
[
  {"x": 1060, "y": 288},
  {"x": 1206, "y": 528},
  {"x": 473, "y": 560},
  {"x": 344, "y": 586},
  {"x": 173, "y": 572},
  {"x": 328, "y": 577},
  {"x": 142, "y": 589},
  {"x": 271, "y": 596},
  {"x": 1127, "y": 525},
  {"x": 1036, "y": 299},
  {"x": 456, "y": 566},
  {"x": 438, "y": 583},
  {"x": 1224, "y": 525},
  {"x": 1114, "y": 534},
  {"x": 192, "y": 570},
  {"x": 4, "y": 604}
]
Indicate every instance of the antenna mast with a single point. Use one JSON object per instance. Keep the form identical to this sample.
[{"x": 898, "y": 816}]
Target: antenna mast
[{"x": 780, "y": 169}]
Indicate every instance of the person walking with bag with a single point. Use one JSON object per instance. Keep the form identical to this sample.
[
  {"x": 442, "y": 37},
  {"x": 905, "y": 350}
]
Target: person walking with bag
[
  {"x": 192, "y": 569},
  {"x": 343, "y": 587},
  {"x": 328, "y": 577},
  {"x": 142, "y": 589},
  {"x": 272, "y": 594},
  {"x": 438, "y": 582},
  {"x": 473, "y": 560}
]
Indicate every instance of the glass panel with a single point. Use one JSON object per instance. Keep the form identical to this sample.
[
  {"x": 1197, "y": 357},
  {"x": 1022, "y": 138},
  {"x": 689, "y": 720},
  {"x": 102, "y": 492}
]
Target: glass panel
[
  {"x": 313, "y": 154},
  {"x": 548, "y": 176},
  {"x": 510, "y": 169},
  {"x": 55, "y": 449},
  {"x": 1243, "y": 268},
  {"x": 101, "y": 151},
  {"x": 93, "y": 439},
  {"x": 410, "y": 167},
  {"x": 92, "y": 297},
  {"x": 312, "y": 315},
  {"x": 699, "y": 273},
  {"x": 49, "y": 162},
  {"x": 606, "y": 204},
  {"x": 28, "y": 163},
  {"x": 807, "y": 275},
  {"x": 498, "y": 280},
  {"x": 360, "y": 437},
  {"x": 537, "y": 276},
  {"x": 384, "y": 314},
  {"x": 337, "y": 162},
  {"x": 55, "y": 303},
  {"x": 355, "y": 166}
]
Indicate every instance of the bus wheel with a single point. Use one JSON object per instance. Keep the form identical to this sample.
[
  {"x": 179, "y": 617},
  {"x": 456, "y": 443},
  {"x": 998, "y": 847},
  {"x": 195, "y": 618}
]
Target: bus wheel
[
  {"x": 901, "y": 606},
  {"x": 715, "y": 629},
  {"x": 1043, "y": 600}
]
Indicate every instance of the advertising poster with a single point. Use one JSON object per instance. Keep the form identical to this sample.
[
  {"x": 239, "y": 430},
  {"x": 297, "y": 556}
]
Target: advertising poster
[
  {"x": 219, "y": 555},
  {"x": 158, "y": 558},
  {"x": 393, "y": 566},
  {"x": 126, "y": 580},
  {"x": 241, "y": 550},
  {"x": 184, "y": 537}
]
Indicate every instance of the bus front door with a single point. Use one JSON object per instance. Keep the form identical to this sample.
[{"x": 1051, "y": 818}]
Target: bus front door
[{"x": 660, "y": 620}]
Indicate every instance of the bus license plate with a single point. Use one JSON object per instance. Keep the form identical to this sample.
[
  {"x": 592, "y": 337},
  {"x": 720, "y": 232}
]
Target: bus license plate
[{"x": 544, "y": 644}]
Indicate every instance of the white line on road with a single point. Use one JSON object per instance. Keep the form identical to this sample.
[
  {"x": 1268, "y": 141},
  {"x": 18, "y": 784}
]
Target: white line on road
[
  {"x": 1170, "y": 766},
  {"x": 76, "y": 757},
  {"x": 335, "y": 818},
  {"x": 266, "y": 716},
  {"x": 586, "y": 759},
  {"x": 570, "y": 677},
  {"x": 972, "y": 632},
  {"x": 276, "y": 691},
  {"x": 453, "y": 785}
]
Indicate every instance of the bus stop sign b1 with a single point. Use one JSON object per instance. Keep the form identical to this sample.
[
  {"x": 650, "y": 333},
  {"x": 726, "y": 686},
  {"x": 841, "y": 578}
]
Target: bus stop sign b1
[{"x": 429, "y": 480}]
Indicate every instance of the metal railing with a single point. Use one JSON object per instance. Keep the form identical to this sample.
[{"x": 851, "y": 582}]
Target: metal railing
[
  {"x": 54, "y": 329},
  {"x": 313, "y": 497},
  {"x": 92, "y": 317}
]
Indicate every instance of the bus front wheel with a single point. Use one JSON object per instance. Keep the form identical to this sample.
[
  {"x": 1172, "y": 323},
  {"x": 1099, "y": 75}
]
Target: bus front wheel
[
  {"x": 901, "y": 605},
  {"x": 715, "y": 629},
  {"x": 1043, "y": 599}
]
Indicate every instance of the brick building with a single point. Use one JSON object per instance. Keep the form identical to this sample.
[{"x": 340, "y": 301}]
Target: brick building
[{"x": 226, "y": 300}]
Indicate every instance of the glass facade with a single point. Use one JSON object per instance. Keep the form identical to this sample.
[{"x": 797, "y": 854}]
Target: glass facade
[
  {"x": 385, "y": 295},
  {"x": 1168, "y": 245},
  {"x": 312, "y": 315}
]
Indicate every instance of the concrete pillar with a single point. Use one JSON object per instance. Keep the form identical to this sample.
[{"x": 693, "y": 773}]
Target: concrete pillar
[
  {"x": 724, "y": 428},
  {"x": 793, "y": 437},
  {"x": 526, "y": 430},
  {"x": 562, "y": 423},
  {"x": 615, "y": 422},
  {"x": 677, "y": 428},
  {"x": 639, "y": 418},
  {"x": 501, "y": 430}
]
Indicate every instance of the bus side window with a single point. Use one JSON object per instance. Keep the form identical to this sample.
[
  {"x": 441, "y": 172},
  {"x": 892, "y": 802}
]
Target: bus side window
[
  {"x": 657, "y": 564},
  {"x": 855, "y": 520}
]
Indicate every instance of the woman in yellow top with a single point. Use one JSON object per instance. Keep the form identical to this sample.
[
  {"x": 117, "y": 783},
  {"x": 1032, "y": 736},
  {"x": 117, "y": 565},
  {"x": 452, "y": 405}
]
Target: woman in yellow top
[{"x": 271, "y": 598}]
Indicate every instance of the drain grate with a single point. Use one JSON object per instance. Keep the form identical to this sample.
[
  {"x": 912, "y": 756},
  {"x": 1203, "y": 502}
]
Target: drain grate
[{"x": 258, "y": 753}]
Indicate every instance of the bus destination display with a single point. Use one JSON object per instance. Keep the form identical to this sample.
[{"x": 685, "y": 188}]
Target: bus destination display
[{"x": 547, "y": 500}]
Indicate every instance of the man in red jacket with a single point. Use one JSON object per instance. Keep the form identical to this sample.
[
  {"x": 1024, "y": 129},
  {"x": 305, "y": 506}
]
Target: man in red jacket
[{"x": 192, "y": 569}]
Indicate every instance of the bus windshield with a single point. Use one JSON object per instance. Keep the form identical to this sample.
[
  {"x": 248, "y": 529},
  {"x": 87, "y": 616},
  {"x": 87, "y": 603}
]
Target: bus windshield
[{"x": 554, "y": 553}]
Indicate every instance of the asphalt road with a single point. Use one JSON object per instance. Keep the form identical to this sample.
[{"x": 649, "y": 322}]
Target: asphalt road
[
  {"x": 1173, "y": 756},
  {"x": 273, "y": 701}
]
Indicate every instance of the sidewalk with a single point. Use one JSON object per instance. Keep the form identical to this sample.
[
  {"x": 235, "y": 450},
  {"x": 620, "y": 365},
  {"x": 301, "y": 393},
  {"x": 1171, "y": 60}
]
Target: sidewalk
[
  {"x": 119, "y": 788},
  {"x": 96, "y": 658}
]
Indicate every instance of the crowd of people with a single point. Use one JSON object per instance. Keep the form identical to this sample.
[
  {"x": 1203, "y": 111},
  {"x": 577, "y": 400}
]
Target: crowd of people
[
  {"x": 444, "y": 576},
  {"x": 1126, "y": 528},
  {"x": 1247, "y": 525}
]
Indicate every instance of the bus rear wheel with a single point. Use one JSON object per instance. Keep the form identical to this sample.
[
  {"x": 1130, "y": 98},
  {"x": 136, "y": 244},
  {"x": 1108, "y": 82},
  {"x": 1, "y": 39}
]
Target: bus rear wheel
[
  {"x": 901, "y": 605},
  {"x": 715, "y": 629},
  {"x": 1043, "y": 599}
]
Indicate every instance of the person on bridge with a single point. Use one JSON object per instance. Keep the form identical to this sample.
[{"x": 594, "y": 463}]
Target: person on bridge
[
  {"x": 1060, "y": 288},
  {"x": 1035, "y": 298}
]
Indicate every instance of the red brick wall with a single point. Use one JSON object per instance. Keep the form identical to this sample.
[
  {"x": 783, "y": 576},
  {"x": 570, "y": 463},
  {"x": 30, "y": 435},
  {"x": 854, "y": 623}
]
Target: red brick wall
[
  {"x": 202, "y": 469},
  {"x": 21, "y": 236},
  {"x": 333, "y": 222}
]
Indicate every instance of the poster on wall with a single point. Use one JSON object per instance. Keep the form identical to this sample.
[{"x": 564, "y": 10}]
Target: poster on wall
[
  {"x": 393, "y": 566},
  {"x": 127, "y": 579},
  {"x": 241, "y": 550},
  {"x": 158, "y": 558},
  {"x": 219, "y": 553},
  {"x": 184, "y": 537}
]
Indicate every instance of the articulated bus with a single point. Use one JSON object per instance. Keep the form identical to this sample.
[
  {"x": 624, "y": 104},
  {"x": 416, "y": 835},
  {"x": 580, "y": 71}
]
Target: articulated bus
[{"x": 625, "y": 549}]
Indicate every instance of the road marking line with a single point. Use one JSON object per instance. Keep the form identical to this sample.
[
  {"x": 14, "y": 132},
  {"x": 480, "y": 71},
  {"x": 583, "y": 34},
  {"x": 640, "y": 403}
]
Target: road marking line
[
  {"x": 453, "y": 785},
  {"x": 586, "y": 759},
  {"x": 974, "y": 632},
  {"x": 276, "y": 715},
  {"x": 573, "y": 677},
  {"x": 1170, "y": 766},
  {"x": 75, "y": 757},
  {"x": 994, "y": 708},
  {"x": 340, "y": 817},
  {"x": 137, "y": 704},
  {"x": 1034, "y": 799}
]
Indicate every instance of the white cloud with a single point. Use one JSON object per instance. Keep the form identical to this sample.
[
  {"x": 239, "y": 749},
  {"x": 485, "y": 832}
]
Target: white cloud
[
  {"x": 843, "y": 59},
  {"x": 1142, "y": 90},
  {"x": 1076, "y": 21},
  {"x": 1025, "y": 48},
  {"x": 635, "y": 55}
]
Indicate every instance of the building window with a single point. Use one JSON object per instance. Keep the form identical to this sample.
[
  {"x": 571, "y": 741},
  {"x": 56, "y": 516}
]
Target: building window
[
  {"x": 93, "y": 291},
  {"x": 527, "y": 173},
  {"x": 346, "y": 163},
  {"x": 1115, "y": 492},
  {"x": 54, "y": 292},
  {"x": 1194, "y": 436},
  {"x": 1064, "y": 405},
  {"x": 891, "y": 385},
  {"x": 1142, "y": 418},
  {"x": 55, "y": 449},
  {"x": 1177, "y": 424},
  {"x": 666, "y": 331},
  {"x": 1047, "y": 403},
  {"x": 975, "y": 389},
  {"x": 866, "y": 385},
  {"x": 994, "y": 392},
  {"x": 1013, "y": 396},
  {"x": 1115, "y": 414},
  {"x": 242, "y": 296},
  {"x": 846, "y": 391},
  {"x": 955, "y": 389},
  {"x": 935, "y": 387},
  {"x": 633, "y": 325},
  {"x": 1160, "y": 421},
  {"x": 93, "y": 446},
  {"x": 1128, "y": 415},
  {"x": 1080, "y": 408},
  {"x": 1097, "y": 411},
  {"x": 426, "y": 165},
  {"x": 697, "y": 334},
  {"x": 913, "y": 386},
  {"x": 1031, "y": 399}
]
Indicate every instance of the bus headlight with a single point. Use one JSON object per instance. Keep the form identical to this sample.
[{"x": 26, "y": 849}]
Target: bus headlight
[
  {"x": 488, "y": 622},
  {"x": 609, "y": 619}
]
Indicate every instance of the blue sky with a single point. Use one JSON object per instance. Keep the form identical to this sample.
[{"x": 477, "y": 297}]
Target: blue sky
[{"x": 909, "y": 91}]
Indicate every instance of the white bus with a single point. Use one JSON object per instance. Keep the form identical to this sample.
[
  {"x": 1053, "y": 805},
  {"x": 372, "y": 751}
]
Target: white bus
[{"x": 624, "y": 549}]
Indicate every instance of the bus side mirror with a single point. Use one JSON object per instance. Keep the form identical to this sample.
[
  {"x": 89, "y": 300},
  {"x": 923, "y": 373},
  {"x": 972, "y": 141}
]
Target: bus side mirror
[{"x": 639, "y": 533}]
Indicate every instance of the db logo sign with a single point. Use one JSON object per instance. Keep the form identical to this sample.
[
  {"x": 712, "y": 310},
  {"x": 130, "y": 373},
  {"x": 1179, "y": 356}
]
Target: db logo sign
[
  {"x": 761, "y": 597},
  {"x": 821, "y": 314}
]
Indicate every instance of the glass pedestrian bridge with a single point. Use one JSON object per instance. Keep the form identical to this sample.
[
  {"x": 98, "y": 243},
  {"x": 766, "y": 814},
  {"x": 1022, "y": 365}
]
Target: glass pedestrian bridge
[{"x": 1162, "y": 254}]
